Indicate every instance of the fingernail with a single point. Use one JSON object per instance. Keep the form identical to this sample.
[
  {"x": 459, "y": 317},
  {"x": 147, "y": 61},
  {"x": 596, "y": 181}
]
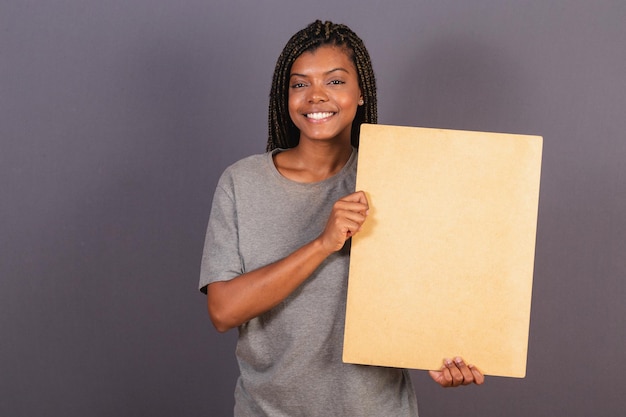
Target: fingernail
[
  {"x": 448, "y": 362},
  {"x": 458, "y": 360}
]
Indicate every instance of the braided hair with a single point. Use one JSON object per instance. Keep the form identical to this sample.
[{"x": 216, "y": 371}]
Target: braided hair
[{"x": 282, "y": 131}]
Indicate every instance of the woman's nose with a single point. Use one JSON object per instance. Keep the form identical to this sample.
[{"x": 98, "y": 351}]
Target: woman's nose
[{"x": 317, "y": 94}]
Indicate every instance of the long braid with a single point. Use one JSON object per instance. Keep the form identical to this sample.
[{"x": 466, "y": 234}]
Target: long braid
[{"x": 282, "y": 132}]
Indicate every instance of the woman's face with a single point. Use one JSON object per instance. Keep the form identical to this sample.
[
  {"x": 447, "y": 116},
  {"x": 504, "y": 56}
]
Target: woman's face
[{"x": 324, "y": 94}]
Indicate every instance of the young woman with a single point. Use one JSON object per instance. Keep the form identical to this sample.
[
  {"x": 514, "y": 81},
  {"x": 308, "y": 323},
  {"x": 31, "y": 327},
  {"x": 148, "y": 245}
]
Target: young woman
[{"x": 275, "y": 261}]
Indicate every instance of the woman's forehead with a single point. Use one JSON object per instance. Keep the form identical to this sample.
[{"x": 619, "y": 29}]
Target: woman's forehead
[{"x": 324, "y": 56}]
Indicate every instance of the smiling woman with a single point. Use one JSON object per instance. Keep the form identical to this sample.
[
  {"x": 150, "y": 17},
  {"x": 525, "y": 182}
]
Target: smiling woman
[
  {"x": 276, "y": 256},
  {"x": 282, "y": 131},
  {"x": 324, "y": 94}
]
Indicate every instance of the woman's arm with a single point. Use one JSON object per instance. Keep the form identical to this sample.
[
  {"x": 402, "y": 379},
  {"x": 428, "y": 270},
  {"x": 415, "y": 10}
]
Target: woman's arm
[{"x": 232, "y": 303}]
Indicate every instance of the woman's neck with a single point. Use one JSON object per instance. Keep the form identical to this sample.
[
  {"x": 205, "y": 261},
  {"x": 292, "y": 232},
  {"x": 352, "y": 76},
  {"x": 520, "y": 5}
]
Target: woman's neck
[{"x": 312, "y": 162}]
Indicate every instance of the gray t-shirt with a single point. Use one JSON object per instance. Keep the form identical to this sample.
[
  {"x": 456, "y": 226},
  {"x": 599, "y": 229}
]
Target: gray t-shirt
[{"x": 290, "y": 357}]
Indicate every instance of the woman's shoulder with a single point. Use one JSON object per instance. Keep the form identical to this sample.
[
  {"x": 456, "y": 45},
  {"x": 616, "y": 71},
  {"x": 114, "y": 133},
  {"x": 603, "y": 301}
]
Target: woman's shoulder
[
  {"x": 249, "y": 162},
  {"x": 248, "y": 167}
]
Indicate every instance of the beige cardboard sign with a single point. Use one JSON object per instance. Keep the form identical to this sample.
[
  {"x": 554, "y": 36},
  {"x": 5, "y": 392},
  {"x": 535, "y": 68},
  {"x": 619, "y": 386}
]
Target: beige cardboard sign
[{"x": 443, "y": 266}]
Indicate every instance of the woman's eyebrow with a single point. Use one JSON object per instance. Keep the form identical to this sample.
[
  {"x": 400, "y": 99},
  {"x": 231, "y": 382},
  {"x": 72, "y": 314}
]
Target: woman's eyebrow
[{"x": 296, "y": 74}]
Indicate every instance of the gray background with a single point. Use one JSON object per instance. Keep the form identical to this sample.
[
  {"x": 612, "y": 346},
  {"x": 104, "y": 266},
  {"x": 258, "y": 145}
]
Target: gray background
[{"x": 116, "y": 118}]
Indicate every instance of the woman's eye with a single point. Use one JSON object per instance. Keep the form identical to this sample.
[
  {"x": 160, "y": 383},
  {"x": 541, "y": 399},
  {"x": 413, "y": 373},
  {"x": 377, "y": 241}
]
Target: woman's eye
[
  {"x": 337, "y": 82},
  {"x": 297, "y": 85}
]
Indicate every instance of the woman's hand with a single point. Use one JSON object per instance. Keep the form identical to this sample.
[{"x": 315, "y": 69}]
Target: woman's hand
[
  {"x": 455, "y": 373},
  {"x": 345, "y": 220}
]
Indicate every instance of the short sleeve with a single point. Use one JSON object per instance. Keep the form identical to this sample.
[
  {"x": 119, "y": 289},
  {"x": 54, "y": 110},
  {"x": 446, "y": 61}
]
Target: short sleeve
[{"x": 221, "y": 260}]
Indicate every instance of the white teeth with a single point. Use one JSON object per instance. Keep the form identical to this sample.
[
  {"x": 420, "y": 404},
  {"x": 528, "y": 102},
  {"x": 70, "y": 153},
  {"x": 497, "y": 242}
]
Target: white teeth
[{"x": 319, "y": 116}]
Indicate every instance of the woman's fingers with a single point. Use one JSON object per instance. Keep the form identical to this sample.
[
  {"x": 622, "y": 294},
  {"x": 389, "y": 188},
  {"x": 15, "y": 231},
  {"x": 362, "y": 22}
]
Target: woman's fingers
[
  {"x": 479, "y": 378},
  {"x": 346, "y": 218},
  {"x": 456, "y": 373}
]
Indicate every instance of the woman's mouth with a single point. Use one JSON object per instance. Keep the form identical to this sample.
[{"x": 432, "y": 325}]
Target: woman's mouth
[{"x": 319, "y": 115}]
